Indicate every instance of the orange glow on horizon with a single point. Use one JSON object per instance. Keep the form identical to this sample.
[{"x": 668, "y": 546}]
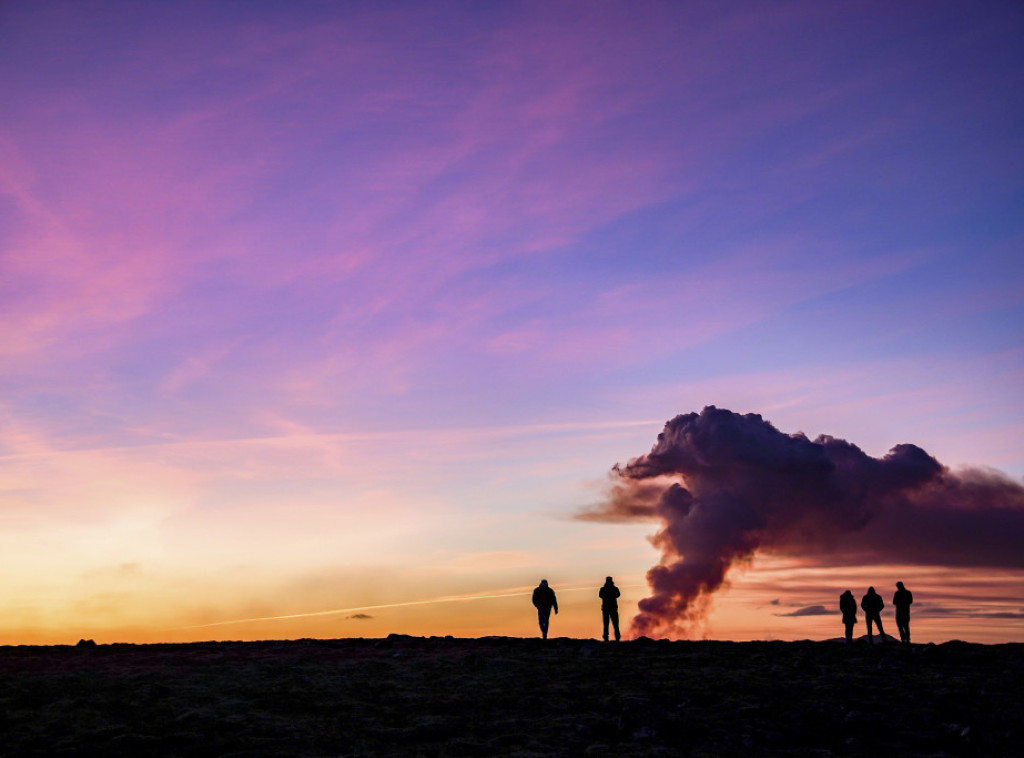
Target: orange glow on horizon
[{"x": 764, "y": 601}]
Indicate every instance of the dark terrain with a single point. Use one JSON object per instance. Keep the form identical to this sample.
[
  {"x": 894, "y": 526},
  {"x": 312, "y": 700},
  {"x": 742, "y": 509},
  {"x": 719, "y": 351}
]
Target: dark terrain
[{"x": 506, "y": 696}]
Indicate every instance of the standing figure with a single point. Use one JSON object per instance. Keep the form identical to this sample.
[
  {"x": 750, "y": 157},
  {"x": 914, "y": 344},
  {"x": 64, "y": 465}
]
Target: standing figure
[
  {"x": 544, "y": 600},
  {"x": 873, "y": 604},
  {"x": 848, "y": 606},
  {"x": 609, "y": 595},
  {"x": 902, "y": 601}
]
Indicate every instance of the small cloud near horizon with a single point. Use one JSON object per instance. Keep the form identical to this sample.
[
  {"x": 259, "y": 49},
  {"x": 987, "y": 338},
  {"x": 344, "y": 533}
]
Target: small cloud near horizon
[
  {"x": 359, "y": 616},
  {"x": 809, "y": 610}
]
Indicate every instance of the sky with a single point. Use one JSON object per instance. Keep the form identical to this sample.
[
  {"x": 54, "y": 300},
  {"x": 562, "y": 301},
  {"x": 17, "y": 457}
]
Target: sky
[{"x": 329, "y": 319}]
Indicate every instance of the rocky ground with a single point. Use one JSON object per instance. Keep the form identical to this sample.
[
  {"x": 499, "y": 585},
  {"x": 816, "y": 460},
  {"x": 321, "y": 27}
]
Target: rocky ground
[{"x": 504, "y": 696}]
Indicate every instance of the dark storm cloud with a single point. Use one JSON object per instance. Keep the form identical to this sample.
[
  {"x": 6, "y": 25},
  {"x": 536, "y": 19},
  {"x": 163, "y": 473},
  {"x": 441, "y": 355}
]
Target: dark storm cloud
[{"x": 724, "y": 485}]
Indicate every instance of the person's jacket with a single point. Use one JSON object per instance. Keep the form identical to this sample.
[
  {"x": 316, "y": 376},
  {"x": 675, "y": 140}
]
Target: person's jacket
[
  {"x": 902, "y": 600},
  {"x": 609, "y": 595},
  {"x": 872, "y": 603},
  {"x": 544, "y": 597},
  {"x": 848, "y": 605}
]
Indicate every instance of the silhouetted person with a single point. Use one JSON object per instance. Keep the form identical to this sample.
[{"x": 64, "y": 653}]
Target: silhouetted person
[
  {"x": 848, "y": 606},
  {"x": 873, "y": 604},
  {"x": 902, "y": 601},
  {"x": 609, "y": 595},
  {"x": 544, "y": 599}
]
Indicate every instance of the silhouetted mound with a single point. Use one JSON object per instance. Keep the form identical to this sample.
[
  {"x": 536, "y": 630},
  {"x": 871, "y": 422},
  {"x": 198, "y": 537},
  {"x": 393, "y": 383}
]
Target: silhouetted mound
[
  {"x": 507, "y": 696},
  {"x": 865, "y": 640}
]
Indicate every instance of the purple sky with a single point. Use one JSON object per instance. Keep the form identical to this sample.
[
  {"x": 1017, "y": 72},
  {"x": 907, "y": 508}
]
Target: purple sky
[{"x": 322, "y": 289}]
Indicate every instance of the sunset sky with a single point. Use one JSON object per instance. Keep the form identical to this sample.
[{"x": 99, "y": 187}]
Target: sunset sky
[{"x": 326, "y": 319}]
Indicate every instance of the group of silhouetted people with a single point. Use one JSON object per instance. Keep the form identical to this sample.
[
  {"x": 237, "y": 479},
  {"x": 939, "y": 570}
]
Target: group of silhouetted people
[
  {"x": 872, "y": 605},
  {"x": 544, "y": 601}
]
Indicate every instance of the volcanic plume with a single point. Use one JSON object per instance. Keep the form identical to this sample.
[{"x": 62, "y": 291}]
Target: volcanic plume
[{"x": 725, "y": 485}]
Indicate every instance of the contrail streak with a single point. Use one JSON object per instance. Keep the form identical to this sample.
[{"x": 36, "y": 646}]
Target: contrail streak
[
  {"x": 442, "y": 599},
  {"x": 308, "y": 438}
]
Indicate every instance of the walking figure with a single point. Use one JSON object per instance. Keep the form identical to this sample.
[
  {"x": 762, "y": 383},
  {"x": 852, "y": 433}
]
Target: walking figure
[
  {"x": 609, "y": 595},
  {"x": 902, "y": 601},
  {"x": 544, "y": 600},
  {"x": 848, "y": 606},
  {"x": 873, "y": 604}
]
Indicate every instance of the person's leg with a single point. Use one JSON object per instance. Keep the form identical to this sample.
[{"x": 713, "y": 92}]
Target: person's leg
[
  {"x": 615, "y": 623},
  {"x": 881, "y": 631},
  {"x": 543, "y": 614},
  {"x": 849, "y": 631},
  {"x": 870, "y": 621},
  {"x": 604, "y": 624},
  {"x": 903, "y": 623}
]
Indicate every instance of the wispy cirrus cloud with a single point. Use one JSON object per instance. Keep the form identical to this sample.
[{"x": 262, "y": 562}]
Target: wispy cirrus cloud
[{"x": 374, "y": 266}]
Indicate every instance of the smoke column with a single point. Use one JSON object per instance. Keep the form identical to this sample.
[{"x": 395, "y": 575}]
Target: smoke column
[{"x": 724, "y": 485}]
